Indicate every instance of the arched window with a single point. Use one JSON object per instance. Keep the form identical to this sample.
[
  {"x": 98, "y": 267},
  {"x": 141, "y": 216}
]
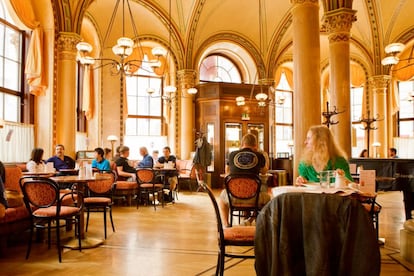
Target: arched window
[
  {"x": 219, "y": 68},
  {"x": 405, "y": 119},
  {"x": 11, "y": 68}
]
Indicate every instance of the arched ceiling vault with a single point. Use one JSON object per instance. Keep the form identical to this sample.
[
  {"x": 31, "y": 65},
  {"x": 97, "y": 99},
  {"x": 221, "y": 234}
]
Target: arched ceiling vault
[{"x": 197, "y": 23}]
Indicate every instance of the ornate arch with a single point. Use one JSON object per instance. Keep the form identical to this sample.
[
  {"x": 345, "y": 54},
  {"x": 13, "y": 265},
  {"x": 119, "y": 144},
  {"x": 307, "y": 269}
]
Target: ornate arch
[{"x": 236, "y": 39}]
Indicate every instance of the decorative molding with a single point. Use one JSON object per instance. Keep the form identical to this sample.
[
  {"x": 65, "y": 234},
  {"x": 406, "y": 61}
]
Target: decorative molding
[
  {"x": 302, "y": 2},
  {"x": 376, "y": 38},
  {"x": 192, "y": 31},
  {"x": 339, "y": 37},
  {"x": 186, "y": 78},
  {"x": 379, "y": 83},
  {"x": 339, "y": 21}
]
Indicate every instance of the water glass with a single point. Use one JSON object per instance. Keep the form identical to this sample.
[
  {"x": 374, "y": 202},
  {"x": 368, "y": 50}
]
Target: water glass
[{"x": 326, "y": 178}]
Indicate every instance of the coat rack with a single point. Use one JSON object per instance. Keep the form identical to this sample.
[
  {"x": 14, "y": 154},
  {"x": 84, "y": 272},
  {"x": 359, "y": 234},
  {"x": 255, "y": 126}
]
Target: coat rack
[
  {"x": 368, "y": 126},
  {"x": 328, "y": 114}
]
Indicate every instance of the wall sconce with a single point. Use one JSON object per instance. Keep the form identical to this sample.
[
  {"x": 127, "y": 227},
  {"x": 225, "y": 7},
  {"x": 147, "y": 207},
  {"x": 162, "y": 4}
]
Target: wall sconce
[{"x": 112, "y": 139}]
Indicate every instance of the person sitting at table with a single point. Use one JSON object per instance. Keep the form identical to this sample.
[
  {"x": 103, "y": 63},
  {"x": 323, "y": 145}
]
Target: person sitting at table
[
  {"x": 124, "y": 170},
  {"x": 155, "y": 155},
  {"x": 245, "y": 160},
  {"x": 107, "y": 154},
  {"x": 36, "y": 163},
  {"x": 392, "y": 153},
  {"x": 321, "y": 153},
  {"x": 60, "y": 160},
  {"x": 147, "y": 161},
  {"x": 171, "y": 176},
  {"x": 100, "y": 163},
  {"x": 364, "y": 153}
]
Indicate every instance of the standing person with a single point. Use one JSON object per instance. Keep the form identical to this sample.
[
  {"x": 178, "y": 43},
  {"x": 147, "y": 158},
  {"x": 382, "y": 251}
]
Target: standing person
[
  {"x": 321, "y": 154},
  {"x": 122, "y": 166},
  {"x": 245, "y": 160},
  {"x": 392, "y": 153},
  {"x": 60, "y": 160},
  {"x": 100, "y": 163},
  {"x": 36, "y": 163},
  {"x": 171, "y": 176},
  {"x": 147, "y": 161}
]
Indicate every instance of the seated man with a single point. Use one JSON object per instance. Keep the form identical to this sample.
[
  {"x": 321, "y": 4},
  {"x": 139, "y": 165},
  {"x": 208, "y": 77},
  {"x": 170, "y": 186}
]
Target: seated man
[
  {"x": 124, "y": 170},
  {"x": 147, "y": 161},
  {"x": 100, "y": 163},
  {"x": 171, "y": 176},
  {"x": 245, "y": 160},
  {"x": 60, "y": 160}
]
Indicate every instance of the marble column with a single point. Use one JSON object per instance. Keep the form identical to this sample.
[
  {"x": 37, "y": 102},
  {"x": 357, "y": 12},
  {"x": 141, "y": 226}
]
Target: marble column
[
  {"x": 186, "y": 80},
  {"x": 338, "y": 24},
  {"x": 64, "y": 123},
  {"x": 379, "y": 85},
  {"x": 306, "y": 61}
]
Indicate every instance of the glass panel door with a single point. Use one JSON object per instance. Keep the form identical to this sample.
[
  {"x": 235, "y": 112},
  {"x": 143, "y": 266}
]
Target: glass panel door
[
  {"x": 258, "y": 131},
  {"x": 233, "y": 134}
]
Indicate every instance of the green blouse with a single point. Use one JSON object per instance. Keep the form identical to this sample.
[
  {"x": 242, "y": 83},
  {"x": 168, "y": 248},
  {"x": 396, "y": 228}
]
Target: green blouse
[{"x": 308, "y": 171}]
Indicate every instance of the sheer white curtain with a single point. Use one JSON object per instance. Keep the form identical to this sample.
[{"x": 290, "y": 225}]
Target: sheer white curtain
[
  {"x": 17, "y": 142},
  {"x": 404, "y": 146}
]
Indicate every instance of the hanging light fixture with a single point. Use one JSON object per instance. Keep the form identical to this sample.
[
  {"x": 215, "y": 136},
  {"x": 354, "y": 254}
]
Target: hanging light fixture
[
  {"x": 261, "y": 97},
  {"x": 123, "y": 48},
  {"x": 394, "y": 49}
]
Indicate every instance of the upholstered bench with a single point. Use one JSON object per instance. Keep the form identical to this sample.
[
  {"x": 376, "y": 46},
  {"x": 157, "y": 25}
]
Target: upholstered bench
[{"x": 16, "y": 218}]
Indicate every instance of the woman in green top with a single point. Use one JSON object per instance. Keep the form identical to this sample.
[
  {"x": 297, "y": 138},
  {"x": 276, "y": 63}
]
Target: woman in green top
[{"x": 321, "y": 154}]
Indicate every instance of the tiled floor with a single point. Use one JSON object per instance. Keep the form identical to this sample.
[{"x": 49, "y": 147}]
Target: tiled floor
[{"x": 179, "y": 239}]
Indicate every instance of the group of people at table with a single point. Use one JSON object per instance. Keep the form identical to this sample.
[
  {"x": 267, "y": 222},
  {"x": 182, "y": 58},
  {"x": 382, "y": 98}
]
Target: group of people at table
[
  {"x": 321, "y": 153},
  {"x": 125, "y": 169}
]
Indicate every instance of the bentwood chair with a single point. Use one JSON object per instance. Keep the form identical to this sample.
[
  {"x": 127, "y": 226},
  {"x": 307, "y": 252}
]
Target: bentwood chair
[
  {"x": 99, "y": 197},
  {"x": 45, "y": 204},
  {"x": 243, "y": 194},
  {"x": 242, "y": 236},
  {"x": 147, "y": 186}
]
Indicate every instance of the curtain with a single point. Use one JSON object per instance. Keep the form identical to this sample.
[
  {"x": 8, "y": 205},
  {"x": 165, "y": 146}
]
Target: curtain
[
  {"x": 17, "y": 142},
  {"x": 288, "y": 74},
  {"x": 88, "y": 103},
  {"x": 34, "y": 63},
  {"x": 401, "y": 73}
]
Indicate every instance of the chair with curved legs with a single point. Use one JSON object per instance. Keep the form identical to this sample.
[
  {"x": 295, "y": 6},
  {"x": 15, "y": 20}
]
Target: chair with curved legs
[
  {"x": 232, "y": 236},
  {"x": 147, "y": 186},
  {"x": 243, "y": 192},
  {"x": 45, "y": 204},
  {"x": 100, "y": 197}
]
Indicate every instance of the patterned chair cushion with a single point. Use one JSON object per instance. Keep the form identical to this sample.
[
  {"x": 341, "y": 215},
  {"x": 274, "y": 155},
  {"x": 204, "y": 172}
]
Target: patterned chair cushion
[
  {"x": 243, "y": 188},
  {"x": 126, "y": 185},
  {"x": 51, "y": 211},
  {"x": 240, "y": 233},
  {"x": 97, "y": 200}
]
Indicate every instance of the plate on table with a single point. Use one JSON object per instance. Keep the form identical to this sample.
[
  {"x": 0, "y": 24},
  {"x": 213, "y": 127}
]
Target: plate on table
[{"x": 312, "y": 185}]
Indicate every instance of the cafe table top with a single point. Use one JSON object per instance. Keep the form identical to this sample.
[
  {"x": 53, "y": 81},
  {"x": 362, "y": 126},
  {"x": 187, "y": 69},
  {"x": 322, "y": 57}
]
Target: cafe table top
[{"x": 76, "y": 178}]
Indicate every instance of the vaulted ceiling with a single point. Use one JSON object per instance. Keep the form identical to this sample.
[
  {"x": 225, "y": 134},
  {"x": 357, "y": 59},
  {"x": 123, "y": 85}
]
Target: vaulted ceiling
[{"x": 196, "y": 25}]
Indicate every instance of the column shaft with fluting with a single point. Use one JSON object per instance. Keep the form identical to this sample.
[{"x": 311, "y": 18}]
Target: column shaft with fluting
[
  {"x": 379, "y": 85},
  {"x": 306, "y": 60},
  {"x": 186, "y": 80},
  {"x": 338, "y": 24},
  {"x": 65, "y": 101}
]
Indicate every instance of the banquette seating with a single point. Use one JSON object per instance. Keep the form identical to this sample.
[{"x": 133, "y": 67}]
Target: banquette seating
[{"x": 16, "y": 218}]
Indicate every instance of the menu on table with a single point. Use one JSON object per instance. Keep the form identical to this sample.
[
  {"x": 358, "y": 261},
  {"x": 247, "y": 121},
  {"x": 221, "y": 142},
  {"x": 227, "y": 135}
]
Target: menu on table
[{"x": 367, "y": 181}]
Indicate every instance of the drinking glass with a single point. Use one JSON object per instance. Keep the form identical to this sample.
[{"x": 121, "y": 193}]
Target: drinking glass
[{"x": 326, "y": 178}]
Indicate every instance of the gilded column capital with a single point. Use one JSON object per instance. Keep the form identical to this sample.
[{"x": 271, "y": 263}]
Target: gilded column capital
[
  {"x": 338, "y": 23},
  {"x": 186, "y": 78},
  {"x": 379, "y": 83},
  {"x": 66, "y": 45}
]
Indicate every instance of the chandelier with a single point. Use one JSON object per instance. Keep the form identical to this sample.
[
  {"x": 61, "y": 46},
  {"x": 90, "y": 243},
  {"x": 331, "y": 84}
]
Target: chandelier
[
  {"x": 123, "y": 48},
  {"x": 393, "y": 50}
]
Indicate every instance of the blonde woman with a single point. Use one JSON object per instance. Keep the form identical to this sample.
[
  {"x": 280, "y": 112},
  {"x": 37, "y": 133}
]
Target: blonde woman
[{"x": 321, "y": 154}]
